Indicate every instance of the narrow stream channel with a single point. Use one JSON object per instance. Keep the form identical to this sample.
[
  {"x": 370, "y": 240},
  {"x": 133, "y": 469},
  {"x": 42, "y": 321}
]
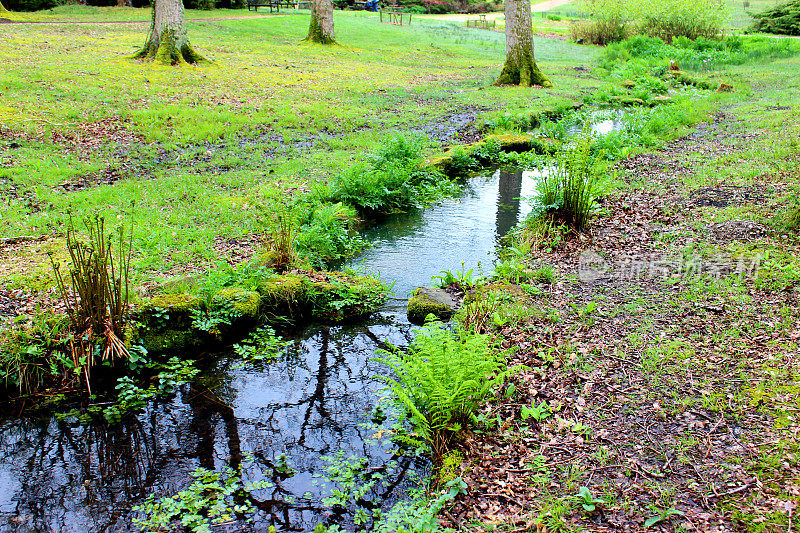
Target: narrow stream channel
[{"x": 317, "y": 401}]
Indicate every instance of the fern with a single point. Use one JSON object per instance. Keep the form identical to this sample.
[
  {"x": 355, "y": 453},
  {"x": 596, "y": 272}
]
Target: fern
[{"x": 441, "y": 382}]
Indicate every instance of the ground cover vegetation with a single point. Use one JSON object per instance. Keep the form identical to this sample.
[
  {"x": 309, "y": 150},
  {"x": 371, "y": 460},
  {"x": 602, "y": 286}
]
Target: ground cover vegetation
[{"x": 700, "y": 361}]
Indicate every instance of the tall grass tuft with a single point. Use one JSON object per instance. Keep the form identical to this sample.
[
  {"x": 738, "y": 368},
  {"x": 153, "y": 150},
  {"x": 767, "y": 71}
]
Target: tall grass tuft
[
  {"x": 96, "y": 294},
  {"x": 567, "y": 194}
]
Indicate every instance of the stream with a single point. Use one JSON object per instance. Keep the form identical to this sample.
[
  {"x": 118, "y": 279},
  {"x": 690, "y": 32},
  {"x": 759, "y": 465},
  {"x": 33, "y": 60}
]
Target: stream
[{"x": 57, "y": 475}]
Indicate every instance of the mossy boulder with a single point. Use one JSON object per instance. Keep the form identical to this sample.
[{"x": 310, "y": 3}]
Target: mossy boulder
[
  {"x": 158, "y": 340},
  {"x": 440, "y": 162},
  {"x": 510, "y": 142},
  {"x": 283, "y": 295},
  {"x": 239, "y": 302},
  {"x": 631, "y": 102},
  {"x": 545, "y": 145},
  {"x": 427, "y": 301},
  {"x": 169, "y": 311},
  {"x": 660, "y": 99},
  {"x": 344, "y": 298}
]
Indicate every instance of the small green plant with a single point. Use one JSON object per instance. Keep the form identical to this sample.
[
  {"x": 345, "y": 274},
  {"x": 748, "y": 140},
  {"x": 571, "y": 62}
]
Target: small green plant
[
  {"x": 586, "y": 313},
  {"x": 212, "y": 499},
  {"x": 587, "y": 500},
  {"x": 661, "y": 516},
  {"x": 462, "y": 278},
  {"x": 567, "y": 195},
  {"x": 536, "y": 412},
  {"x": 263, "y": 344}
]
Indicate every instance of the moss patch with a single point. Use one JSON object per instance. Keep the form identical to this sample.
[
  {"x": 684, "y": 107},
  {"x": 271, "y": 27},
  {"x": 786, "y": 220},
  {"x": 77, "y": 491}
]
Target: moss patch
[
  {"x": 424, "y": 302},
  {"x": 241, "y": 302}
]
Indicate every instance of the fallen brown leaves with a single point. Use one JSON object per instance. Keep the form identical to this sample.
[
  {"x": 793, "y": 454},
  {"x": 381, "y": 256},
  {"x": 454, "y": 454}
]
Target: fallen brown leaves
[{"x": 652, "y": 395}]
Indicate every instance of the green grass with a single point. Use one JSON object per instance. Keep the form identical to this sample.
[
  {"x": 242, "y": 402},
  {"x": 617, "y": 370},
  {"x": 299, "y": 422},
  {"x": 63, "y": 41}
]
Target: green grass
[{"x": 68, "y": 93}]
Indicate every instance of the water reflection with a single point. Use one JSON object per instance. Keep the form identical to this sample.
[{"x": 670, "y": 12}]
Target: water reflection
[{"x": 57, "y": 476}]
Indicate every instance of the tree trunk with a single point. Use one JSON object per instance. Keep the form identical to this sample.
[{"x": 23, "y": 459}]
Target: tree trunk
[
  {"x": 520, "y": 67},
  {"x": 2, "y": 8},
  {"x": 321, "y": 28},
  {"x": 167, "y": 42}
]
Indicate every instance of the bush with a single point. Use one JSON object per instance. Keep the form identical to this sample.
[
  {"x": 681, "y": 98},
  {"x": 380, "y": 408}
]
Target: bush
[
  {"x": 326, "y": 236},
  {"x": 782, "y": 19},
  {"x": 602, "y": 32},
  {"x": 442, "y": 381},
  {"x": 392, "y": 180},
  {"x": 666, "y": 19}
]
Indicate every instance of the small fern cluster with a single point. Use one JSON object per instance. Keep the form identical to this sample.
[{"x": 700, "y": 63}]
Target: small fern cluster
[{"x": 441, "y": 382}]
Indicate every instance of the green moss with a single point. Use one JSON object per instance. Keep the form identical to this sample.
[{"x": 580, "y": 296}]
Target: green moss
[
  {"x": 510, "y": 142},
  {"x": 421, "y": 304},
  {"x": 286, "y": 289},
  {"x": 242, "y": 302},
  {"x": 173, "y": 303},
  {"x": 439, "y": 161},
  {"x": 157, "y": 341}
]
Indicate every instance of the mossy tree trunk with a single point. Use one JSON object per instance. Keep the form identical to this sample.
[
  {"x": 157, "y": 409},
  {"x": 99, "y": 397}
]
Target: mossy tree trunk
[
  {"x": 168, "y": 42},
  {"x": 321, "y": 28},
  {"x": 520, "y": 67},
  {"x": 3, "y": 8}
]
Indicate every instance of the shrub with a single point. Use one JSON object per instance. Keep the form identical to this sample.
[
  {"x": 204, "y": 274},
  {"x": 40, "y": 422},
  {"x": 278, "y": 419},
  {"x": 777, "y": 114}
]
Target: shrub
[
  {"x": 326, "y": 235},
  {"x": 441, "y": 381},
  {"x": 96, "y": 294},
  {"x": 602, "y": 31},
  {"x": 782, "y": 19},
  {"x": 666, "y": 19}
]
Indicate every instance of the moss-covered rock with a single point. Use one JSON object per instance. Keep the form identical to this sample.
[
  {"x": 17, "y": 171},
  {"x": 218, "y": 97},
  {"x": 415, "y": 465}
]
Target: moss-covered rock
[
  {"x": 343, "y": 298},
  {"x": 438, "y": 161},
  {"x": 545, "y": 145},
  {"x": 174, "y": 303},
  {"x": 630, "y": 101},
  {"x": 158, "y": 340},
  {"x": 240, "y": 302},
  {"x": 285, "y": 290},
  {"x": 426, "y": 301},
  {"x": 660, "y": 99},
  {"x": 510, "y": 142}
]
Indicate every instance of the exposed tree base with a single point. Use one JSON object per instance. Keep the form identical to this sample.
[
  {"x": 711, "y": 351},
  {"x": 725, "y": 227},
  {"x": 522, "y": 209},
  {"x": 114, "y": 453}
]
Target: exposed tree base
[
  {"x": 524, "y": 73},
  {"x": 320, "y": 40},
  {"x": 316, "y": 35},
  {"x": 167, "y": 51}
]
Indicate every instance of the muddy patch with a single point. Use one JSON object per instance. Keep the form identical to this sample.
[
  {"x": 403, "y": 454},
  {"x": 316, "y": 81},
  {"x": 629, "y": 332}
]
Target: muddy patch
[
  {"x": 107, "y": 176},
  {"x": 726, "y": 195},
  {"x": 456, "y": 127},
  {"x": 737, "y": 230}
]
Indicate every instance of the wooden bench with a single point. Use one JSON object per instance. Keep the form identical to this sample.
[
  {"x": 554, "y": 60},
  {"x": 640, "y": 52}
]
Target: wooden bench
[
  {"x": 394, "y": 16},
  {"x": 482, "y": 22},
  {"x": 276, "y": 5}
]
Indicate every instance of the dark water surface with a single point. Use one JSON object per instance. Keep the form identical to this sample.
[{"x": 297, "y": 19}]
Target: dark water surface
[{"x": 317, "y": 401}]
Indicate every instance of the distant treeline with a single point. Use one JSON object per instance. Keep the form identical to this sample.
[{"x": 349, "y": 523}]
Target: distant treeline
[
  {"x": 417, "y": 6},
  {"x": 38, "y": 5}
]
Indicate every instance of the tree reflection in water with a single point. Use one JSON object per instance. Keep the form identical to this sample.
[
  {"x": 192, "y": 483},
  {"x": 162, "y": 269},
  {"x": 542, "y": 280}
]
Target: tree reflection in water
[{"x": 60, "y": 476}]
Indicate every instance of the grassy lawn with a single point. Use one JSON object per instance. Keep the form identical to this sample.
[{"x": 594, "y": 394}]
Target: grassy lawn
[{"x": 195, "y": 146}]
